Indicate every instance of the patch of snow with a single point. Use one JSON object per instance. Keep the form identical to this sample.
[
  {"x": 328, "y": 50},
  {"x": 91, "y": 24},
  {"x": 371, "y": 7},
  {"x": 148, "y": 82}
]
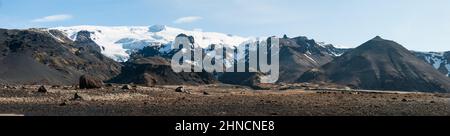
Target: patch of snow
[
  {"x": 310, "y": 58},
  {"x": 165, "y": 48},
  {"x": 448, "y": 69},
  {"x": 434, "y": 58},
  {"x": 321, "y": 44},
  {"x": 439, "y": 54},
  {"x": 437, "y": 62},
  {"x": 57, "y": 38},
  {"x": 308, "y": 52},
  {"x": 336, "y": 54},
  {"x": 428, "y": 59}
]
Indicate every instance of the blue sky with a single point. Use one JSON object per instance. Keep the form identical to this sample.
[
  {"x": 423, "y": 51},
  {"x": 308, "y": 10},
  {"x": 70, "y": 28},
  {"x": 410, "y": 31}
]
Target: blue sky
[{"x": 417, "y": 24}]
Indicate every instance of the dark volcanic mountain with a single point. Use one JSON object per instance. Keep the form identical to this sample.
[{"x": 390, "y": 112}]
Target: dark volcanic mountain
[
  {"x": 158, "y": 71},
  {"x": 297, "y": 55},
  {"x": 41, "y": 56},
  {"x": 300, "y": 54},
  {"x": 381, "y": 65}
]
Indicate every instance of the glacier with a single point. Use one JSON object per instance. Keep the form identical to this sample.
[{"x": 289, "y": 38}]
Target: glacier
[{"x": 118, "y": 42}]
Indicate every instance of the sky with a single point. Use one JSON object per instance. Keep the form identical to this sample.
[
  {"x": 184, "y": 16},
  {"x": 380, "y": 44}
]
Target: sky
[{"x": 417, "y": 24}]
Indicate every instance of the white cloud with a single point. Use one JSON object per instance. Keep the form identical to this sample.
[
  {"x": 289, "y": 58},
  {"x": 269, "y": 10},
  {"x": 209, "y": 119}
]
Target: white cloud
[
  {"x": 188, "y": 19},
  {"x": 53, "y": 18}
]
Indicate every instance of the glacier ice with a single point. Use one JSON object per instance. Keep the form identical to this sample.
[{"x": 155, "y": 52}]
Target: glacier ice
[{"x": 118, "y": 41}]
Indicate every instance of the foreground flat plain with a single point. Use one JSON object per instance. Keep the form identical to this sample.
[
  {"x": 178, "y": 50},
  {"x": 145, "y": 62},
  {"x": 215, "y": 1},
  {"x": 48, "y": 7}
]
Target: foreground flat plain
[{"x": 217, "y": 100}]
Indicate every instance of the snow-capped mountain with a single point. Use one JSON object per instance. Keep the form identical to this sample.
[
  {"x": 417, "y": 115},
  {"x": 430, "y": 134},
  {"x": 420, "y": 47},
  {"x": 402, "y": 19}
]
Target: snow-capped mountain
[
  {"x": 439, "y": 60},
  {"x": 119, "y": 42}
]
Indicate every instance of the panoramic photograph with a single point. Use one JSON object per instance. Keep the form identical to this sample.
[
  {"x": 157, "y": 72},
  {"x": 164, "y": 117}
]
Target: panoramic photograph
[
  {"x": 224, "y": 58},
  {"x": 114, "y": 57}
]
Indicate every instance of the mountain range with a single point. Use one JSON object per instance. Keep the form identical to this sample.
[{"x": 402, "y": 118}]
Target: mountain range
[
  {"x": 380, "y": 64},
  {"x": 119, "y": 43},
  {"x": 141, "y": 55}
]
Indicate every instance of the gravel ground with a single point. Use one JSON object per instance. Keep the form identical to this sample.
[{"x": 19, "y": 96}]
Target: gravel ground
[{"x": 217, "y": 100}]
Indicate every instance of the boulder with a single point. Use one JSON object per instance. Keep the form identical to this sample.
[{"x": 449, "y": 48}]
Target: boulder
[
  {"x": 127, "y": 87},
  {"x": 42, "y": 89},
  {"x": 182, "y": 90},
  {"x": 77, "y": 97},
  {"x": 179, "y": 89},
  {"x": 89, "y": 82},
  {"x": 63, "y": 104}
]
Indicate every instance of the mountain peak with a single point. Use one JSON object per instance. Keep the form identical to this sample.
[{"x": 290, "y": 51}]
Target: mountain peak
[{"x": 377, "y": 38}]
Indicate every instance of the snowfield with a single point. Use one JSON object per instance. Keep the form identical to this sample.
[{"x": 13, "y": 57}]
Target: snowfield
[{"x": 118, "y": 42}]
